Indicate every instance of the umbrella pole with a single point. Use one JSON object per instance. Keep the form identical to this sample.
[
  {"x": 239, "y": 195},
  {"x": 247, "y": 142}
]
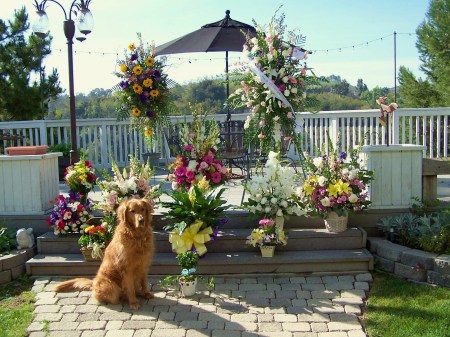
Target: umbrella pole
[{"x": 228, "y": 122}]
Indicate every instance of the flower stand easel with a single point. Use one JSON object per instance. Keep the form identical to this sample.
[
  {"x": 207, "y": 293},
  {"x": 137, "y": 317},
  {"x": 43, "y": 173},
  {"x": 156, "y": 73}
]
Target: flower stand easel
[
  {"x": 267, "y": 251},
  {"x": 335, "y": 223}
]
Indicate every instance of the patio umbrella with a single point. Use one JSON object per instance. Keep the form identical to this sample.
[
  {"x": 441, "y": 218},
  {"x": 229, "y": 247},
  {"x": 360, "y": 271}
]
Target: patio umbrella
[{"x": 224, "y": 35}]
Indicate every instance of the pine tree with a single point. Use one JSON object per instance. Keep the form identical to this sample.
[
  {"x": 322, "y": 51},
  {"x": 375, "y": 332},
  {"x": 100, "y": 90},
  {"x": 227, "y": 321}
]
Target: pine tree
[
  {"x": 20, "y": 57},
  {"x": 433, "y": 46}
]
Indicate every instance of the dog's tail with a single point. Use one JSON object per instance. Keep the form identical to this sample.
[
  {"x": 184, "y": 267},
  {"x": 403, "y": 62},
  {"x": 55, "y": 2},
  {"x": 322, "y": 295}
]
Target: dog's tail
[{"x": 74, "y": 284}]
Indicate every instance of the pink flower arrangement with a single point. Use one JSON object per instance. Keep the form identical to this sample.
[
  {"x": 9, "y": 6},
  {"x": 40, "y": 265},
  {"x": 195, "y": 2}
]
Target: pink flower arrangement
[{"x": 197, "y": 159}]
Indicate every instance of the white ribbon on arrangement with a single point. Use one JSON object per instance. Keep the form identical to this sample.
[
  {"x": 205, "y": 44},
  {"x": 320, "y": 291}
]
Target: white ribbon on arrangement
[{"x": 272, "y": 87}]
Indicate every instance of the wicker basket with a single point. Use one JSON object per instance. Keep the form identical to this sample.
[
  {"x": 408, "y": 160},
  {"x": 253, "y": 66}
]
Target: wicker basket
[
  {"x": 267, "y": 251},
  {"x": 87, "y": 254},
  {"x": 335, "y": 223}
]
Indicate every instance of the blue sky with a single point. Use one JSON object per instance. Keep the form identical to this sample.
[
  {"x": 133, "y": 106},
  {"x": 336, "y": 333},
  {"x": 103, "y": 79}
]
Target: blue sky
[{"x": 330, "y": 25}]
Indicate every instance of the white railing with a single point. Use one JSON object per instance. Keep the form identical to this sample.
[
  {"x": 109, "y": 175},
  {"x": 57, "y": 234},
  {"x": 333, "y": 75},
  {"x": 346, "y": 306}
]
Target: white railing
[{"x": 107, "y": 139}]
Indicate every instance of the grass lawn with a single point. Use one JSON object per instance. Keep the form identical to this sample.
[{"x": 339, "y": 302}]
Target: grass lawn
[
  {"x": 397, "y": 308},
  {"x": 16, "y": 307}
]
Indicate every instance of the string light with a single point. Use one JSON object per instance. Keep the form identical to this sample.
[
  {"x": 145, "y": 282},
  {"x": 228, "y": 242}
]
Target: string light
[{"x": 197, "y": 59}]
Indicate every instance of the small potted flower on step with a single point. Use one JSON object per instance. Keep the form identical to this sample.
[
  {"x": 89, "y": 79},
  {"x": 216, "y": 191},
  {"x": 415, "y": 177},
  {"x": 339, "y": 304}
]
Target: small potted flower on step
[
  {"x": 188, "y": 262},
  {"x": 96, "y": 237},
  {"x": 267, "y": 236}
]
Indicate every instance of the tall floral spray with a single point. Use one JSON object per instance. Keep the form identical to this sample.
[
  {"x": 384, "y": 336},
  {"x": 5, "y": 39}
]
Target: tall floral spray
[
  {"x": 274, "y": 84},
  {"x": 144, "y": 94}
]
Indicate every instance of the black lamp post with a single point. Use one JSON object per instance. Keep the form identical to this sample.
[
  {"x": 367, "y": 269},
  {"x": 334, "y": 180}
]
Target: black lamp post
[{"x": 85, "y": 23}]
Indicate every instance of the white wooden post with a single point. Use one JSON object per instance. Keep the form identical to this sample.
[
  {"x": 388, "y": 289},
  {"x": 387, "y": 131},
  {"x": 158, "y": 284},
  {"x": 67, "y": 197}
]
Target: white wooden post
[{"x": 397, "y": 174}]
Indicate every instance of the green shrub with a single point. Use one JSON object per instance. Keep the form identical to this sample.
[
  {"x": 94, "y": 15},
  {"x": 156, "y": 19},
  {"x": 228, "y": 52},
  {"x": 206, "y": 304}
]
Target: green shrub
[
  {"x": 7, "y": 240},
  {"x": 61, "y": 147},
  {"x": 426, "y": 231}
]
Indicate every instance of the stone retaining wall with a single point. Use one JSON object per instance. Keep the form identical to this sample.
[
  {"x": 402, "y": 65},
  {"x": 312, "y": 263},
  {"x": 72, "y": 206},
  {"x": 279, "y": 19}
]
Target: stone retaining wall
[
  {"x": 411, "y": 264},
  {"x": 12, "y": 265}
]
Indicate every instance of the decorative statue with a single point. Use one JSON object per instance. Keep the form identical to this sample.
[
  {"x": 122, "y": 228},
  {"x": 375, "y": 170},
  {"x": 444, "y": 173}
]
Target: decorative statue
[
  {"x": 25, "y": 238},
  {"x": 385, "y": 109}
]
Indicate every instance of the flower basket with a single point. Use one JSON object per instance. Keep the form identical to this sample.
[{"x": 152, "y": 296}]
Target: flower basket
[
  {"x": 188, "y": 288},
  {"x": 267, "y": 251},
  {"x": 335, "y": 223},
  {"x": 89, "y": 257}
]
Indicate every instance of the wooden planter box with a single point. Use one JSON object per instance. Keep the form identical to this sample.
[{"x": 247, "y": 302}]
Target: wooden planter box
[
  {"x": 397, "y": 174},
  {"x": 29, "y": 183}
]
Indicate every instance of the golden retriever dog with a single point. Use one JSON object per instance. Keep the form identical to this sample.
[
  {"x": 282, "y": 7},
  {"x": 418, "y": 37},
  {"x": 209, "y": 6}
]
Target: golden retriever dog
[{"x": 123, "y": 271}]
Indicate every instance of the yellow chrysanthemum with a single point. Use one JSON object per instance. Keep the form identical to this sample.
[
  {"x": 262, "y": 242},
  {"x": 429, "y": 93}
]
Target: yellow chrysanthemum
[
  {"x": 136, "y": 112},
  {"x": 123, "y": 67},
  {"x": 131, "y": 46},
  {"x": 149, "y": 61},
  {"x": 148, "y": 132},
  {"x": 137, "y": 70},
  {"x": 147, "y": 82},
  {"x": 154, "y": 93},
  {"x": 137, "y": 89}
]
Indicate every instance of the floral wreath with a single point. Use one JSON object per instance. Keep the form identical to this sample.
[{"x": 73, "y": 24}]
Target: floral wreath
[
  {"x": 144, "y": 88},
  {"x": 274, "y": 83}
]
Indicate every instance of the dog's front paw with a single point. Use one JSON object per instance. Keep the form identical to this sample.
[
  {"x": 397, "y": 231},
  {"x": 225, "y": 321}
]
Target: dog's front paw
[
  {"x": 148, "y": 295},
  {"x": 134, "y": 305}
]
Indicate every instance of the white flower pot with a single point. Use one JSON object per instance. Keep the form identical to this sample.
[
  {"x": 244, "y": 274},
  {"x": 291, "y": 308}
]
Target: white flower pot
[{"x": 188, "y": 288}]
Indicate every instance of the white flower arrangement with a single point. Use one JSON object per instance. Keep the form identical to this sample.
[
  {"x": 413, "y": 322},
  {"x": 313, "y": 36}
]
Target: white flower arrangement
[
  {"x": 273, "y": 194},
  {"x": 134, "y": 183}
]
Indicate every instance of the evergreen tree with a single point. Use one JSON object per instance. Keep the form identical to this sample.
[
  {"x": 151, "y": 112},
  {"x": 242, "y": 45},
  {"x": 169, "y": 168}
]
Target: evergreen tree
[
  {"x": 433, "y": 45},
  {"x": 19, "y": 58}
]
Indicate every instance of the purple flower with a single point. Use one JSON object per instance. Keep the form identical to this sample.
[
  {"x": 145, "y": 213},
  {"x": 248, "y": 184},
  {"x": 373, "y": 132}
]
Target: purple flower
[
  {"x": 133, "y": 57},
  {"x": 343, "y": 155},
  {"x": 157, "y": 74},
  {"x": 214, "y": 234},
  {"x": 150, "y": 114},
  {"x": 143, "y": 97},
  {"x": 124, "y": 84}
]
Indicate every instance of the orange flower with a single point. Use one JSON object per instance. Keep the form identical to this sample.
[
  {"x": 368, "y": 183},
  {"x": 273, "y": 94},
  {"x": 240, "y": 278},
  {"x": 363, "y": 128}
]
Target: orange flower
[{"x": 154, "y": 93}]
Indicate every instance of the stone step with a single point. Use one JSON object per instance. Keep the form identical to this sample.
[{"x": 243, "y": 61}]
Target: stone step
[
  {"x": 230, "y": 240},
  {"x": 319, "y": 261}
]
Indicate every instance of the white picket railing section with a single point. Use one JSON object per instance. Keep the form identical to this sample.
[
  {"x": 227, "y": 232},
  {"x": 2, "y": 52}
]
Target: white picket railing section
[{"x": 107, "y": 139}]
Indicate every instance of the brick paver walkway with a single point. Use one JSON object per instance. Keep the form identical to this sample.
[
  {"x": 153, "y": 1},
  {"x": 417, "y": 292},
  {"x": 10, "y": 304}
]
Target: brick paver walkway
[{"x": 237, "y": 306}]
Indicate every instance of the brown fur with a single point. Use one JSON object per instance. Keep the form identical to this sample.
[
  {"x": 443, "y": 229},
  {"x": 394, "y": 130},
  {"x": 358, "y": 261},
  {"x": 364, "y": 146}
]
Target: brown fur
[{"x": 123, "y": 271}]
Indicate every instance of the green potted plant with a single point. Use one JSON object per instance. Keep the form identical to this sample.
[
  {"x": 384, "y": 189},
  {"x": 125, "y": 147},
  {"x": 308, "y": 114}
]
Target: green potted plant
[
  {"x": 64, "y": 160},
  {"x": 187, "y": 279},
  {"x": 188, "y": 262}
]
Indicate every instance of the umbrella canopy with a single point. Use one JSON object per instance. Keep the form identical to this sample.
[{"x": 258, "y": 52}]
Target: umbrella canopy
[{"x": 224, "y": 35}]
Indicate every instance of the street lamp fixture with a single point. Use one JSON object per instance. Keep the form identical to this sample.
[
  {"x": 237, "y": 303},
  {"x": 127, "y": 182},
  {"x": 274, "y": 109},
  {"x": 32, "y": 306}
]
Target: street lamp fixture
[{"x": 85, "y": 23}]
